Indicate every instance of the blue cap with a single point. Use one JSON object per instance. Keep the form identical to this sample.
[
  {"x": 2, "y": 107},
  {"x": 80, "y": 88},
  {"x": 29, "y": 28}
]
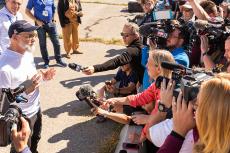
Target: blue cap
[{"x": 21, "y": 26}]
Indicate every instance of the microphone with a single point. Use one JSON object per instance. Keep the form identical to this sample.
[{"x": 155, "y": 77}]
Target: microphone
[
  {"x": 85, "y": 91},
  {"x": 76, "y": 67},
  {"x": 147, "y": 30},
  {"x": 172, "y": 66}
]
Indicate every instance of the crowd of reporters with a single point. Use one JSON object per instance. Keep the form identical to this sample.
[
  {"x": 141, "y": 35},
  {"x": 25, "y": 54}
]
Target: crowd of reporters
[{"x": 196, "y": 34}]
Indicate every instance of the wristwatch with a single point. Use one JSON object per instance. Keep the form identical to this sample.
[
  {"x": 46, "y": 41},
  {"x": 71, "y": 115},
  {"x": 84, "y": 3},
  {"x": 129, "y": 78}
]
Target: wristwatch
[{"x": 163, "y": 108}]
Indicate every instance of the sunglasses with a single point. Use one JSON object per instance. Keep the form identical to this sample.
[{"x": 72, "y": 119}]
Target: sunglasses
[{"x": 126, "y": 34}]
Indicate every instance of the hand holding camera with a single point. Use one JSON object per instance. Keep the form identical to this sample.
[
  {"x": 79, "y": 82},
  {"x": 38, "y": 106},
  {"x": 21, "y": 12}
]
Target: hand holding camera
[
  {"x": 166, "y": 95},
  {"x": 20, "y": 138},
  {"x": 183, "y": 116}
]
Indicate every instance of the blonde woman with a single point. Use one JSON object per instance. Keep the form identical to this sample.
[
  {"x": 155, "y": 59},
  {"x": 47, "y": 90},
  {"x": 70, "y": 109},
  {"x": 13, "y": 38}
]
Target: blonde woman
[
  {"x": 213, "y": 116},
  {"x": 212, "y": 119}
]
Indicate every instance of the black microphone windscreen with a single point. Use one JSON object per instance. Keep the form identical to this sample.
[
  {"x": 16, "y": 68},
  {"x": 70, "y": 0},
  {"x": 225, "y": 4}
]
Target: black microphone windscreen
[
  {"x": 72, "y": 66},
  {"x": 172, "y": 66}
]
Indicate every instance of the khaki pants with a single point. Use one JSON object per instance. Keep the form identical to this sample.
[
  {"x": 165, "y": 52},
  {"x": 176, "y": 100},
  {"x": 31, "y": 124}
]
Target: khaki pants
[{"x": 69, "y": 30}]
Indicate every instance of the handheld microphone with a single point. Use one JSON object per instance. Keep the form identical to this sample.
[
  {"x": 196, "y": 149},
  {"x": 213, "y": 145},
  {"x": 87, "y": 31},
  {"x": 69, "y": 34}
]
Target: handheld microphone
[{"x": 76, "y": 67}]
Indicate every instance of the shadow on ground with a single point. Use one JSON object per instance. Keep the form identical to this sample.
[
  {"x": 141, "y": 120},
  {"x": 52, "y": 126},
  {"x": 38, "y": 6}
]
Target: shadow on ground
[
  {"x": 74, "y": 108},
  {"x": 114, "y": 52},
  {"x": 39, "y": 61},
  {"x": 77, "y": 135},
  {"x": 92, "y": 80}
]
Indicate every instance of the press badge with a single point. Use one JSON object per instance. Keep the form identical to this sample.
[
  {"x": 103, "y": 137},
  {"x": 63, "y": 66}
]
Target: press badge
[{"x": 45, "y": 13}]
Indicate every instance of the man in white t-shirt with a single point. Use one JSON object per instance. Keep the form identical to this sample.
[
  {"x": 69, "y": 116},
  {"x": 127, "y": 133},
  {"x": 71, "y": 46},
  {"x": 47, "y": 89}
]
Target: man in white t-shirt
[
  {"x": 16, "y": 67},
  {"x": 8, "y": 14}
]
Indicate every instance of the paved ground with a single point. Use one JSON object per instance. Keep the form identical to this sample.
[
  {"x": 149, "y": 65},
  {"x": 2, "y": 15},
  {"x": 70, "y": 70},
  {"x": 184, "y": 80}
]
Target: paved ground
[{"x": 68, "y": 126}]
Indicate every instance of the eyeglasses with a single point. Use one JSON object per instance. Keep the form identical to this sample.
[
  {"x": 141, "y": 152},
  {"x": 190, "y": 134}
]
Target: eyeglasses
[
  {"x": 126, "y": 34},
  {"x": 28, "y": 36},
  {"x": 172, "y": 36}
]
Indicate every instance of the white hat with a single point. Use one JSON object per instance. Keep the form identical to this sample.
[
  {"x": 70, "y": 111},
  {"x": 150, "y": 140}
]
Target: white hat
[{"x": 187, "y": 5}]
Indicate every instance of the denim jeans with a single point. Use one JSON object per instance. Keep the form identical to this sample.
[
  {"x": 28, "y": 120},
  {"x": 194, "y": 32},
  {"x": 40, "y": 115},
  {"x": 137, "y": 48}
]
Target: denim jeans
[{"x": 49, "y": 28}]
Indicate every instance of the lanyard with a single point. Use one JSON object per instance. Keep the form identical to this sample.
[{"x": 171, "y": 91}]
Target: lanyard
[
  {"x": 10, "y": 18},
  {"x": 44, "y": 2}
]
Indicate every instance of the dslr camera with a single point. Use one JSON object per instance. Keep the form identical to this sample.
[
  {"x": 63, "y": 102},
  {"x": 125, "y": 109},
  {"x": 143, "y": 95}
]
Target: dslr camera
[
  {"x": 10, "y": 114},
  {"x": 186, "y": 80}
]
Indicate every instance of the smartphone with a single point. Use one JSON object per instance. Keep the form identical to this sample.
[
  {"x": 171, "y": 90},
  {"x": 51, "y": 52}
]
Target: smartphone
[{"x": 108, "y": 83}]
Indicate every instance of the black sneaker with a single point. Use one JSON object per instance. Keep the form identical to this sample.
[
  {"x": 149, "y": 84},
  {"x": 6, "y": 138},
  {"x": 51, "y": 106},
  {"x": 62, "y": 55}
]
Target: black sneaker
[{"x": 61, "y": 63}]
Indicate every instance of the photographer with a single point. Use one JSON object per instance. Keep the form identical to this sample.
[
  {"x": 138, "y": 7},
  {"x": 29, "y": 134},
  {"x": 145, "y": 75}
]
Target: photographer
[
  {"x": 16, "y": 67},
  {"x": 174, "y": 44},
  {"x": 212, "y": 112},
  {"x": 132, "y": 54},
  {"x": 20, "y": 138}
]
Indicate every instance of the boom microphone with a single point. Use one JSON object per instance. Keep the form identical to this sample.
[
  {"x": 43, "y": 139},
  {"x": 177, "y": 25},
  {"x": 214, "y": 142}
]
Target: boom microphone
[
  {"x": 148, "y": 29},
  {"x": 76, "y": 67},
  {"x": 172, "y": 66},
  {"x": 85, "y": 91}
]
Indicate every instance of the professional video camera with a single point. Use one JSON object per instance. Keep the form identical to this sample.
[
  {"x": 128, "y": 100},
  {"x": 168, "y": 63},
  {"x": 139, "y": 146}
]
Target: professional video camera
[
  {"x": 9, "y": 113},
  {"x": 215, "y": 30},
  {"x": 187, "y": 80},
  {"x": 158, "y": 31}
]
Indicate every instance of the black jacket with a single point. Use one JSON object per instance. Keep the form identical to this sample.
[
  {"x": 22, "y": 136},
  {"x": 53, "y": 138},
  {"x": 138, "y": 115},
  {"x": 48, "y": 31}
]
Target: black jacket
[
  {"x": 132, "y": 55},
  {"x": 63, "y": 6}
]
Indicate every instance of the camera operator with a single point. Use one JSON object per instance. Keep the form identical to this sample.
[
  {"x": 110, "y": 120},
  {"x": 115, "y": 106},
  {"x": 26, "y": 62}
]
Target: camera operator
[
  {"x": 208, "y": 63},
  {"x": 211, "y": 112},
  {"x": 16, "y": 67},
  {"x": 132, "y": 54},
  {"x": 175, "y": 42},
  {"x": 20, "y": 138}
]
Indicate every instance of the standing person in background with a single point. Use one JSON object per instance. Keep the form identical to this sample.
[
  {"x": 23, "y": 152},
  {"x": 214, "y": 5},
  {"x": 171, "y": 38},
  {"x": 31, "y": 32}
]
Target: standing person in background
[
  {"x": 2, "y": 3},
  {"x": 43, "y": 17},
  {"x": 70, "y": 13},
  {"x": 8, "y": 14}
]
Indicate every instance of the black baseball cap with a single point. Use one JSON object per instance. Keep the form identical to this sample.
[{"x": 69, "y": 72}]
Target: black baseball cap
[{"x": 21, "y": 26}]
